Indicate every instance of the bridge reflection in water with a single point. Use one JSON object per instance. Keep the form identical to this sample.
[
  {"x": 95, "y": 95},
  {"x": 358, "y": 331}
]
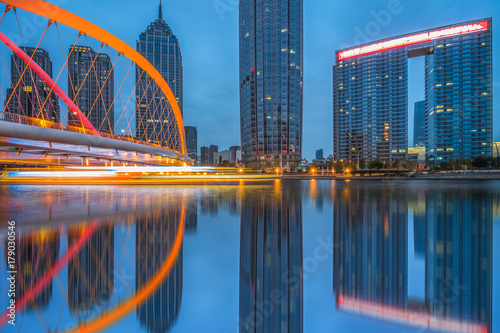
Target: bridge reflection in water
[{"x": 112, "y": 258}]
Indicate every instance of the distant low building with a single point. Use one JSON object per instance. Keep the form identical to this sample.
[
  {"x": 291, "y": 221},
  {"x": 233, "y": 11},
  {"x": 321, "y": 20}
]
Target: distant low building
[
  {"x": 319, "y": 154},
  {"x": 212, "y": 154},
  {"x": 495, "y": 149},
  {"x": 320, "y": 161},
  {"x": 235, "y": 154},
  {"x": 417, "y": 154},
  {"x": 222, "y": 156}
]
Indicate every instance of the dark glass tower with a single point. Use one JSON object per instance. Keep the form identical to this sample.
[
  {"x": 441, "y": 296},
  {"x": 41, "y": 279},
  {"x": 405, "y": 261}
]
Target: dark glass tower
[
  {"x": 191, "y": 142},
  {"x": 419, "y": 124},
  {"x": 371, "y": 95},
  {"x": 271, "y": 70},
  {"x": 271, "y": 294},
  {"x": 154, "y": 116},
  {"x": 30, "y": 96},
  {"x": 204, "y": 155}
]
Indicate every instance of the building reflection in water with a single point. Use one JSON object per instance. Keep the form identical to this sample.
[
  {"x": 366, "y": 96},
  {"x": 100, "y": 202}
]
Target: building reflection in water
[
  {"x": 452, "y": 231},
  {"x": 36, "y": 254},
  {"x": 459, "y": 254},
  {"x": 371, "y": 256},
  {"x": 91, "y": 271},
  {"x": 155, "y": 234},
  {"x": 271, "y": 292}
]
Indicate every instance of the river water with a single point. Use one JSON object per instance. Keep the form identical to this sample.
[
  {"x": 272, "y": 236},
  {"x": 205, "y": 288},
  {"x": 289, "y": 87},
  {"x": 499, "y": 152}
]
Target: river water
[{"x": 288, "y": 256}]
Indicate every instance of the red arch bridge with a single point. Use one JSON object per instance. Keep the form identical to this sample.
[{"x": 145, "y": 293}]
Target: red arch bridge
[{"x": 117, "y": 107}]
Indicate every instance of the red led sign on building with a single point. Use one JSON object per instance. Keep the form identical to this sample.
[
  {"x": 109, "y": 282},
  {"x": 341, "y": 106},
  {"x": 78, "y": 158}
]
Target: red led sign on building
[{"x": 414, "y": 39}]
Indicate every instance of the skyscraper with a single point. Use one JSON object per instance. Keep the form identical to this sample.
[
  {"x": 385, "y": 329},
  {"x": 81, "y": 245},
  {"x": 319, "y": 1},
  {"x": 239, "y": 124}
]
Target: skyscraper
[
  {"x": 91, "y": 86},
  {"x": 271, "y": 71},
  {"x": 419, "y": 124},
  {"x": 371, "y": 95},
  {"x": 154, "y": 116},
  {"x": 191, "y": 142},
  {"x": 32, "y": 93}
]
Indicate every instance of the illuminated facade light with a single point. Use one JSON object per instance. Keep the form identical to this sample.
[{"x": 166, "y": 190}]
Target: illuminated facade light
[{"x": 414, "y": 39}]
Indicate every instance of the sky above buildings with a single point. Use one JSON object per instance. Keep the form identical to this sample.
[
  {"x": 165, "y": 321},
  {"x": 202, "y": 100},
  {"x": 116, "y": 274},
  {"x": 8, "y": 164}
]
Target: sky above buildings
[{"x": 208, "y": 35}]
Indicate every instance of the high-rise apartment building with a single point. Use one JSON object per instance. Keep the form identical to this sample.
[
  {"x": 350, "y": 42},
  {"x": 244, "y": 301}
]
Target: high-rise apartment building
[
  {"x": 271, "y": 71},
  {"x": 91, "y": 86},
  {"x": 371, "y": 95},
  {"x": 154, "y": 115},
  {"x": 32, "y": 93}
]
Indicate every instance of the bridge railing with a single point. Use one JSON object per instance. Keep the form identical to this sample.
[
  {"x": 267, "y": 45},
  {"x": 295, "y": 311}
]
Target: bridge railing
[{"x": 19, "y": 119}]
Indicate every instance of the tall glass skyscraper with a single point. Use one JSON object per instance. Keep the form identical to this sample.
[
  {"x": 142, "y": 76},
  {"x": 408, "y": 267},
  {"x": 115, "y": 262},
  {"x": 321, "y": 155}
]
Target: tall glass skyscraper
[
  {"x": 154, "y": 116},
  {"x": 419, "y": 124},
  {"x": 371, "y": 95},
  {"x": 191, "y": 142},
  {"x": 271, "y": 60}
]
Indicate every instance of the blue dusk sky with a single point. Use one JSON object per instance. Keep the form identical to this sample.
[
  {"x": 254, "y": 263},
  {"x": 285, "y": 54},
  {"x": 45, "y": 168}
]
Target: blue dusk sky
[{"x": 208, "y": 35}]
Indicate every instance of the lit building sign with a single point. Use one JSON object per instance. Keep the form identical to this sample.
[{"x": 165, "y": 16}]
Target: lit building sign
[
  {"x": 414, "y": 39},
  {"x": 414, "y": 318}
]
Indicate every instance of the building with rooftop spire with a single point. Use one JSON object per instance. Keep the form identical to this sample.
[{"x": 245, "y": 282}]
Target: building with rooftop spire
[{"x": 161, "y": 48}]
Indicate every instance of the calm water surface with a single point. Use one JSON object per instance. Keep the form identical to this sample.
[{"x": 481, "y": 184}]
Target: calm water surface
[{"x": 291, "y": 256}]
